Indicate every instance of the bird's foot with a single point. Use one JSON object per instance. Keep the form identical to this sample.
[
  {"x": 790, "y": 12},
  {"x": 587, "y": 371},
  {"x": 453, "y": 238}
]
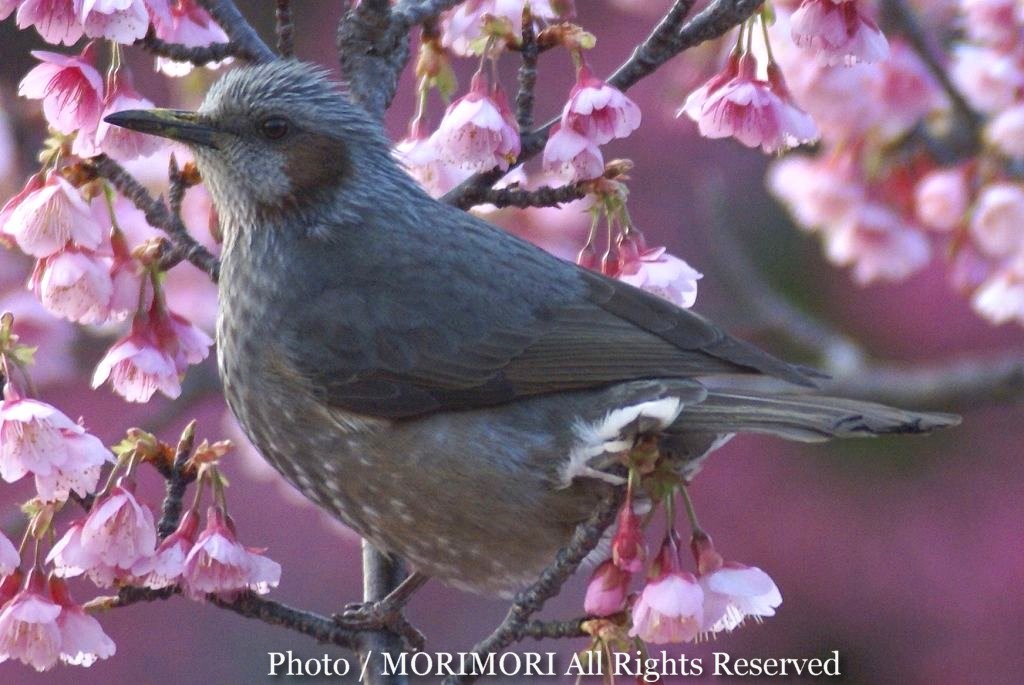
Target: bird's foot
[{"x": 381, "y": 615}]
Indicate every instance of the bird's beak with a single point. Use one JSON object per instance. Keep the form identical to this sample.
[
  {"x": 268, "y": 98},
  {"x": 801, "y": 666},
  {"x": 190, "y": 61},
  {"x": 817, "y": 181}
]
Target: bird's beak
[{"x": 176, "y": 124}]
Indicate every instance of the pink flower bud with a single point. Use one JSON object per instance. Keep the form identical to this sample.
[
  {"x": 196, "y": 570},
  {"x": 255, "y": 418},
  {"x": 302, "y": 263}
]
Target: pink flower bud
[
  {"x": 629, "y": 549},
  {"x": 606, "y": 591},
  {"x": 941, "y": 199},
  {"x": 997, "y": 222}
]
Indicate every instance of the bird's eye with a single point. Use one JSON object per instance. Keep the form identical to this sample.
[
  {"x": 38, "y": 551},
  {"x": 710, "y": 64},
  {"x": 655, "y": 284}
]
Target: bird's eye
[{"x": 274, "y": 127}]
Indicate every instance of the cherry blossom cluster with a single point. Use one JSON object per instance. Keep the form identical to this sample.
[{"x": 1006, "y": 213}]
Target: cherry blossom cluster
[
  {"x": 894, "y": 184},
  {"x": 479, "y": 132},
  {"x": 116, "y": 543},
  {"x": 673, "y": 605}
]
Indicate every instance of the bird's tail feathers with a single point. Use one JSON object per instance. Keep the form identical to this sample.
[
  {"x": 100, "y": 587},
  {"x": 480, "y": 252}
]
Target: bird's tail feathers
[{"x": 806, "y": 418}]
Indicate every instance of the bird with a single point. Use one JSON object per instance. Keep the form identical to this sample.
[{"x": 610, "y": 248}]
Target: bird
[{"x": 454, "y": 394}]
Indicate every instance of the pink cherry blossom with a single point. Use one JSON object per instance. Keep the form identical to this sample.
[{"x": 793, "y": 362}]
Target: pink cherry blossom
[
  {"x": 477, "y": 131},
  {"x": 74, "y": 284},
  {"x": 55, "y": 20},
  {"x": 126, "y": 281},
  {"x": 119, "y": 530},
  {"x": 629, "y": 549},
  {"x": 463, "y": 26},
  {"x": 877, "y": 244},
  {"x": 182, "y": 341},
  {"x": 756, "y": 113},
  {"x": 79, "y": 474},
  {"x": 166, "y": 566},
  {"x": 1000, "y": 299},
  {"x": 695, "y": 101},
  {"x": 34, "y": 183},
  {"x": 28, "y": 626},
  {"x": 122, "y": 21},
  {"x": 82, "y": 640},
  {"x": 137, "y": 367},
  {"x": 988, "y": 79},
  {"x": 838, "y": 31},
  {"x": 9, "y": 557},
  {"x": 662, "y": 274},
  {"x": 418, "y": 155},
  {"x": 185, "y": 22},
  {"x": 33, "y": 436},
  {"x": 572, "y": 157},
  {"x": 906, "y": 91},
  {"x": 1006, "y": 132},
  {"x": 991, "y": 22},
  {"x": 733, "y": 592},
  {"x": 818, "y": 191},
  {"x": 70, "y": 558},
  {"x": 598, "y": 111},
  {"x": 606, "y": 591},
  {"x": 941, "y": 199},
  {"x": 997, "y": 221},
  {"x": 670, "y": 609},
  {"x": 47, "y": 218},
  {"x": 219, "y": 564},
  {"x": 824, "y": 93},
  {"x": 69, "y": 86},
  {"x": 118, "y": 142}
]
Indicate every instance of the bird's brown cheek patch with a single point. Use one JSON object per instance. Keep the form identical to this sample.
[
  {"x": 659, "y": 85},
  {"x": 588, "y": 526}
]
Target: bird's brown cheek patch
[{"x": 315, "y": 163}]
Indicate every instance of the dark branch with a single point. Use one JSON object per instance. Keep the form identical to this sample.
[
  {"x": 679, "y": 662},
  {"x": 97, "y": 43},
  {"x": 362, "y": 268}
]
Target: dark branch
[
  {"x": 545, "y": 196},
  {"x": 553, "y": 630},
  {"x": 199, "y": 56},
  {"x": 284, "y": 28},
  {"x": 240, "y": 32},
  {"x": 176, "y": 483},
  {"x": 665, "y": 42},
  {"x": 373, "y": 52},
  {"x": 516, "y": 624},
  {"x": 409, "y": 13},
  {"x": 185, "y": 247},
  {"x": 527, "y": 73}
]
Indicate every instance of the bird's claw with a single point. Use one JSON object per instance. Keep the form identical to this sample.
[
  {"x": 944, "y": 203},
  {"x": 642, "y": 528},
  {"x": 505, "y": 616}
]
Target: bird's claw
[{"x": 380, "y": 616}]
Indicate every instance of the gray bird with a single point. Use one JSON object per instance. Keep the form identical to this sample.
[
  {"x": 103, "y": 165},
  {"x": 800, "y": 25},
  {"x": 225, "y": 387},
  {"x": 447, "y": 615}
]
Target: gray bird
[{"x": 454, "y": 394}]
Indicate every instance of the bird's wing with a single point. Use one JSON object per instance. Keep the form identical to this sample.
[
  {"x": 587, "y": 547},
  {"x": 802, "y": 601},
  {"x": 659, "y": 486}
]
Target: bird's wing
[{"x": 400, "y": 357}]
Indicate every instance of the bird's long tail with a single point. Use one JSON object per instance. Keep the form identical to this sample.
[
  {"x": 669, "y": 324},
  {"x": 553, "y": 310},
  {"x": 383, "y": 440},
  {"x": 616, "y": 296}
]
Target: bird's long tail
[{"x": 807, "y": 418}]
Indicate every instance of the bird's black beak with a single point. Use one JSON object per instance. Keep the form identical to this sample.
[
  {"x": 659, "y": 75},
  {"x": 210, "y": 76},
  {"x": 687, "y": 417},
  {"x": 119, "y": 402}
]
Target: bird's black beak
[{"x": 176, "y": 124}]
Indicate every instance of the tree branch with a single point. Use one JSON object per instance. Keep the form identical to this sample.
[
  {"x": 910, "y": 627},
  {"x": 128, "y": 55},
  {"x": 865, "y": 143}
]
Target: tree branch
[
  {"x": 240, "y": 32},
  {"x": 176, "y": 483},
  {"x": 157, "y": 214},
  {"x": 408, "y": 13},
  {"x": 517, "y": 623},
  {"x": 545, "y": 196},
  {"x": 373, "y": 52},
  {"x": 527, "y": 73},
  {"x": 198, "y": 56},
  {"x": 284, "y": 29}
]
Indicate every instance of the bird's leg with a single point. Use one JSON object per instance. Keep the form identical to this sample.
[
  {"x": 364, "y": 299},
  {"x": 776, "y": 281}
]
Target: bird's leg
[{"x": 386, "y": 612}]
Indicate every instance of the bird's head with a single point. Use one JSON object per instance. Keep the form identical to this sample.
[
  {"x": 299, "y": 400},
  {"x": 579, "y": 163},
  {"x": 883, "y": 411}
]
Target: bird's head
[{"x": 271, "y": 137}]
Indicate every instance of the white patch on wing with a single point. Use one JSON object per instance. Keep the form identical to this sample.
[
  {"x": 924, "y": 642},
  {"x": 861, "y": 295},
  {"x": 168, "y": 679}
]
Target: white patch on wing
[{"x": 607, "y": 436}]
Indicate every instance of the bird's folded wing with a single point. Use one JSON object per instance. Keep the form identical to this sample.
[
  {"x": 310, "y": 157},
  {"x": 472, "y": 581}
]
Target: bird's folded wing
[{"x": 413, "y": 364}]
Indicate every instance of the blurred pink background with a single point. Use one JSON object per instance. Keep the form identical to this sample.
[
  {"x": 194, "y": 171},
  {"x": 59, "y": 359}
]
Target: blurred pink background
[{"x": 906, "y": 555}]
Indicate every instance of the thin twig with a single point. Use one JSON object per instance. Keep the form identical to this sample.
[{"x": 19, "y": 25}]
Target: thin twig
[
  {"x": 284, "y": 28},
  {"x": 240, "y": 32},
  {"x": 176, "y": 483},
  {"x": 553, "y": 630},
  {"x": 527, "y": 603},
  {"x": 158, "y": 215},
  {"x": 248, "y": 604},
  {"x": 527, "y": 73},
  {"x": 197, "y": 55}
]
